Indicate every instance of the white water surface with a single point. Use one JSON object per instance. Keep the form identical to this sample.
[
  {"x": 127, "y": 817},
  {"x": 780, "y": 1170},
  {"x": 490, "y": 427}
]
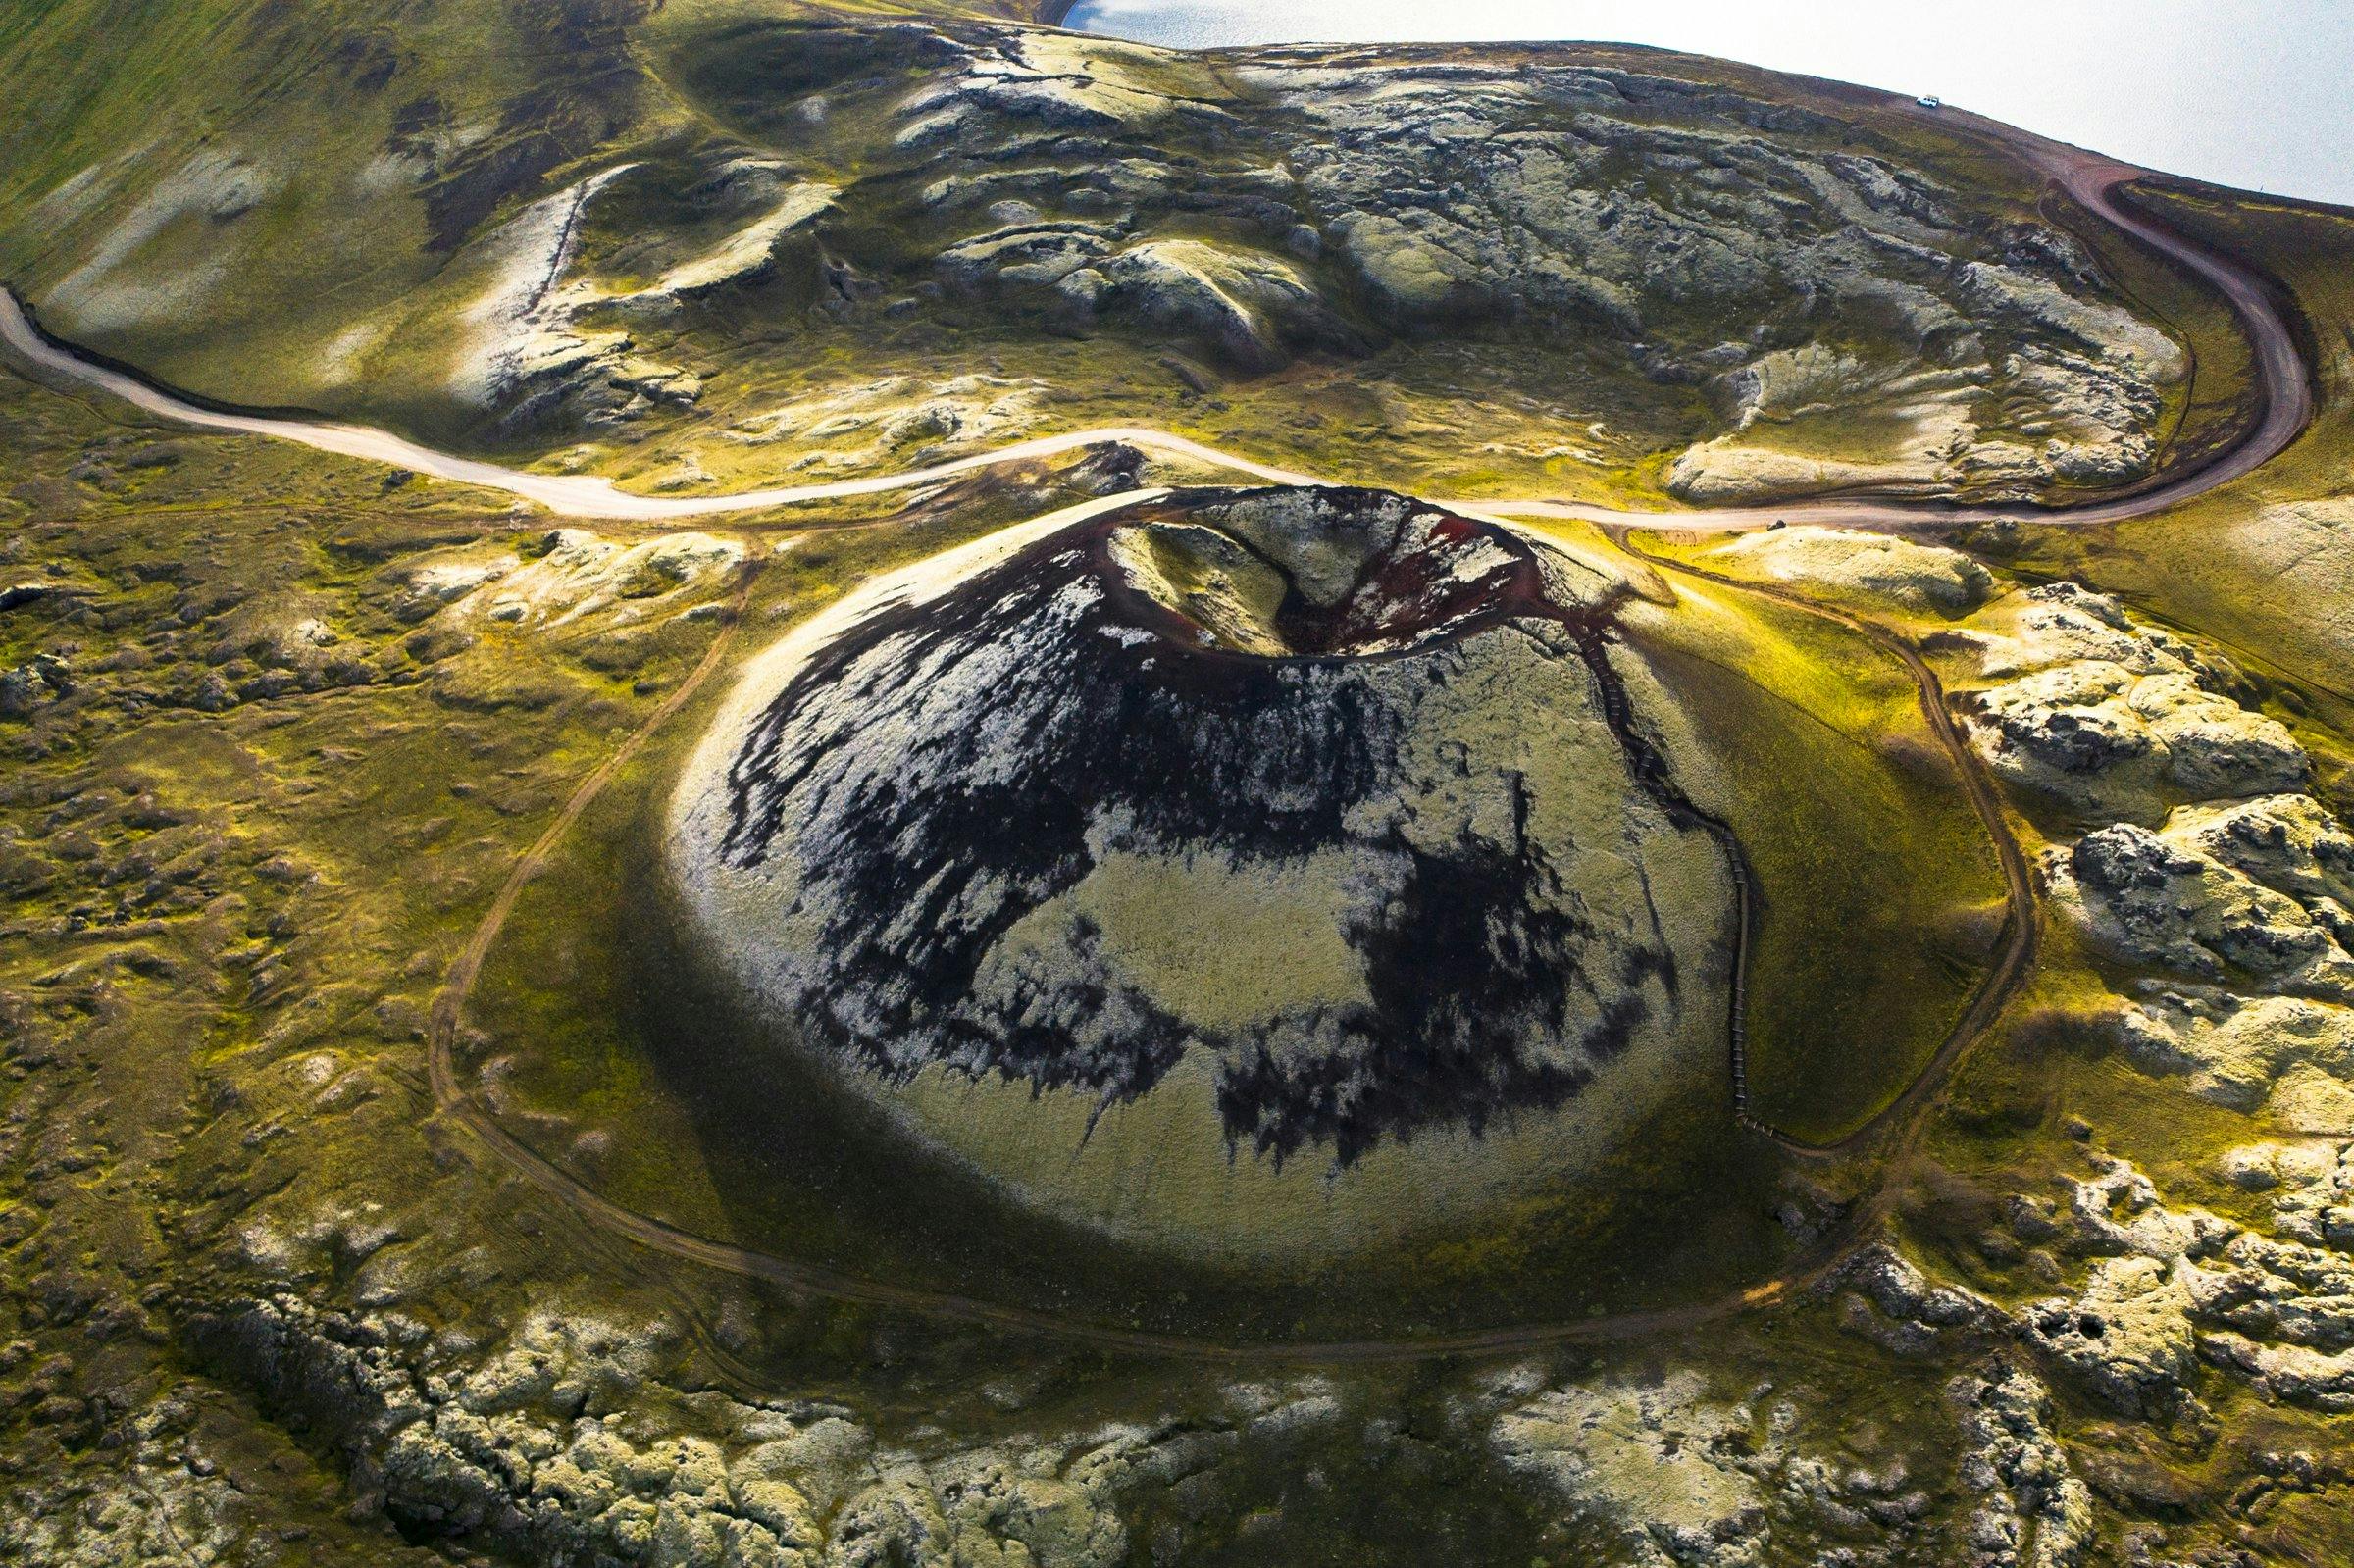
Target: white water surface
[{"x": 2239, "y": 92}]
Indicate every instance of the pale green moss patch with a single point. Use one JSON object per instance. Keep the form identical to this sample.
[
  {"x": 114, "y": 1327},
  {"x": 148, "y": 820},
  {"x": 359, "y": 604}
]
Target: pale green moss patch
[{"x": 1211, "y": 940}]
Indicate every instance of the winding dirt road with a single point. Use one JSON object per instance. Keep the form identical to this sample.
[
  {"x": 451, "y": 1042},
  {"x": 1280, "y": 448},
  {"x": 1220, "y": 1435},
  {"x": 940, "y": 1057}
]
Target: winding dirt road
[{"x": 567, "y": 495}]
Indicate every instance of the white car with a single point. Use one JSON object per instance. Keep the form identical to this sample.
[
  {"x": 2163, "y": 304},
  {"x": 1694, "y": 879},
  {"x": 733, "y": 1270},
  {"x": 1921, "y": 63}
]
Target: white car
[{"x": 1930, "y": 100}]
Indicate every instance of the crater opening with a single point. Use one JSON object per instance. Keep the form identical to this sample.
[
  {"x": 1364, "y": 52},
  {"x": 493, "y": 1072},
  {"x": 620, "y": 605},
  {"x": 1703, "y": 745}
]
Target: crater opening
[{"x": 1320, "y": 573}]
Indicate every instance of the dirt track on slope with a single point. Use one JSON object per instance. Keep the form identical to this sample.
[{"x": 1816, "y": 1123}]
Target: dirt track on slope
[{"x": 2021, "y": 932}]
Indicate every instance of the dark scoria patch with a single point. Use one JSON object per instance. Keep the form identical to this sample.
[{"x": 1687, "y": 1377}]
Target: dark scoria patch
[{"x": 940, "y": 771}]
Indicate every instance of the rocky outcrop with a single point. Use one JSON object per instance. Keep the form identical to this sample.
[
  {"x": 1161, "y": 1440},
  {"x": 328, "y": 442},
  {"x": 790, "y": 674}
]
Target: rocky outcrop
[
  {"x": 44, "y": 678},
  {"x": 1664, "y": 1472},
  {"x": 2232, "y": 886},
  {"x": 2288, "y": 1055},
  {"x": 2236, "y": 886},
  {"x": 1922, "y": 578},
  {"x": 563, "y": 1444},
  {"x": 2147, "y": 899},
  {"x": 2125, "y": 1336},
  {"x": 2034, "y": 1511},
  {"x": 171, "y": 1500},
  {"x": 2312, "y": 1185},
  {"x": 2228, "y": 881},
  {"x": 748, "y": 255},
  {"x": 895, "y": 418},
  {"x": 524, "y": 355},
  {"x": 1252, "y": 310},
  {"x": 567, "y": 574},
  {"x": 1886, "y": 1297},
  {"x": 1548, "y": 200},
  {"x": 2174, "y": 1289},
  {"x": 2289, "y": 843},
  {"x": 1640, "y": 225},
  {"x": 1048, "y": 82},
  {"x": 2115, "y": 718},
  {"x": 1675, "y": 1474}
]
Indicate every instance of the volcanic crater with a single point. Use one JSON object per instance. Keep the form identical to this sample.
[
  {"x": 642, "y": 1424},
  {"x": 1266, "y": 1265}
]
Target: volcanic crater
[{"x": 1209, "y": 869}]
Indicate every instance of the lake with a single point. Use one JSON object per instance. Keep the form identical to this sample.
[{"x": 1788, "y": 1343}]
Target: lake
[{"x": 2254, "y": 95}]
